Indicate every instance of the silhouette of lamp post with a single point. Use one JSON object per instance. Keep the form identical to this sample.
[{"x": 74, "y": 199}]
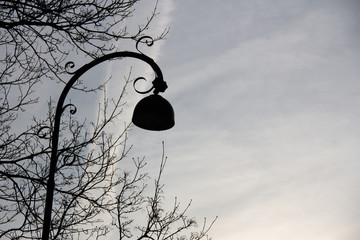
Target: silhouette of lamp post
[{"x": 151, "y": 113}]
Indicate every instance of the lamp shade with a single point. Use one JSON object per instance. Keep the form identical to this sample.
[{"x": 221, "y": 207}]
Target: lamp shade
[{"x": 154, "y": 113}]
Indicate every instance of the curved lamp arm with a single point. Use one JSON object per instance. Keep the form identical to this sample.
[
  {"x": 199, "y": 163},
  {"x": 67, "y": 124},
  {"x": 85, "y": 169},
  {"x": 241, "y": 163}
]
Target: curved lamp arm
[{"x": 159, "y": 85}]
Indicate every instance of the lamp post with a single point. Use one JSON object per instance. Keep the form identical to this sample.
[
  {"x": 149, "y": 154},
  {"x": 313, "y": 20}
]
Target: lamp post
[{"x": 152, "y": 113}]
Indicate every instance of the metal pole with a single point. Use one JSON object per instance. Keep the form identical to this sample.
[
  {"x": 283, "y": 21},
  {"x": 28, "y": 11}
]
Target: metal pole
[{"x": 59, "y": 110}]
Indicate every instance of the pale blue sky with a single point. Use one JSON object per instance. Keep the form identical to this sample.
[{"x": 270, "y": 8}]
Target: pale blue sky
[{"x": 266, "y": 97}]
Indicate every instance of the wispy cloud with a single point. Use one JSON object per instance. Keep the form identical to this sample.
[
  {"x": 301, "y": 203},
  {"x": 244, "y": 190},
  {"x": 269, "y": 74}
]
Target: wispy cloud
[{"x": 266, "y": 99}]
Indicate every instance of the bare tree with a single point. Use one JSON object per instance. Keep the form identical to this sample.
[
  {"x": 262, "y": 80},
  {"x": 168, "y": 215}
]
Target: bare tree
[
  {"x": 159, "y": 224},
  {"x": 37, "y": 36},
  {"x": 36, "y": 39},
  {"x": 91, "y": 186}
]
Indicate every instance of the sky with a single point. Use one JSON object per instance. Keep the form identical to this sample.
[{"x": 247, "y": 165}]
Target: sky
[
  {"x": 267, "y": 106},
  {"x": 266, "y": 99}
]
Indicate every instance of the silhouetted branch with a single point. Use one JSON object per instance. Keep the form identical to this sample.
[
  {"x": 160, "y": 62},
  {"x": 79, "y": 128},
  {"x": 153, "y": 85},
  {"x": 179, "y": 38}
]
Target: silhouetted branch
[{"x": 36, "y": 40}]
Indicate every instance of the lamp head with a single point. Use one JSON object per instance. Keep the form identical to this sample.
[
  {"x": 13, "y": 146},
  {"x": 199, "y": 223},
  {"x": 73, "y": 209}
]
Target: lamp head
[{"x": 154, "y": 113}]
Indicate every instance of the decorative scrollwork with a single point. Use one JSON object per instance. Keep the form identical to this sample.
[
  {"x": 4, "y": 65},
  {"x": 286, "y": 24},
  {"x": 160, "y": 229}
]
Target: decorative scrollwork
[
  {"x": 149, "y": 41},
  {"x": 44, "y": 135},
  {"x": 72, "y": 107},
  {"x": 68, "y": 66},
  {"x": 141, "y": 92}
]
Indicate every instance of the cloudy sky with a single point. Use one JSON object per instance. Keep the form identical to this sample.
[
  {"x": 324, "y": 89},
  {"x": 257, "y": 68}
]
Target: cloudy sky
[{"x": 267, "y": 102}]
